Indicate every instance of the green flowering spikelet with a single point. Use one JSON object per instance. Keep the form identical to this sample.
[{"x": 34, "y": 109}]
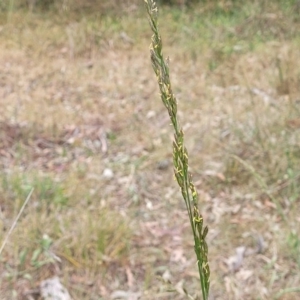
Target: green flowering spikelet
[{"x": 180, "y": 154}]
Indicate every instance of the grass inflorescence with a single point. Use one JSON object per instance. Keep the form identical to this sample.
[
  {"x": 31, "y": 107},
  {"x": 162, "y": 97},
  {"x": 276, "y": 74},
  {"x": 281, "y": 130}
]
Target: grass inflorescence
[{"x": 180, "y": 153}]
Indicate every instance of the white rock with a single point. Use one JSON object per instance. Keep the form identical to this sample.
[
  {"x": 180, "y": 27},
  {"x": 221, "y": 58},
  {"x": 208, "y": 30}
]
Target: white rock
[
  {"x": 108, "y": 173},
  {"x": 52, "y": 289}
]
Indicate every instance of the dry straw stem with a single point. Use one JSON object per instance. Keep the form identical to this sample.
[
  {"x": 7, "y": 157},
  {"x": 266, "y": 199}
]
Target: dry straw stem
[
  {"x": 264, "y": 187},
  {"x": 180, "y": 154},
  {"x": 15, "y": 221}
]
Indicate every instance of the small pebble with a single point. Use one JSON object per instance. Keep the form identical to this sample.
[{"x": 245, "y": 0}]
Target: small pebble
[
  {"x": 163, "y": 164},
  {"x": 108, "y": 173}
]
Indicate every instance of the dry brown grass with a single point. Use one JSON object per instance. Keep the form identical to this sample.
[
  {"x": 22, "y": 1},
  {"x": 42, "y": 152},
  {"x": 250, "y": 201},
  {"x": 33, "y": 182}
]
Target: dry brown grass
[{"x": 78, "y": 98}]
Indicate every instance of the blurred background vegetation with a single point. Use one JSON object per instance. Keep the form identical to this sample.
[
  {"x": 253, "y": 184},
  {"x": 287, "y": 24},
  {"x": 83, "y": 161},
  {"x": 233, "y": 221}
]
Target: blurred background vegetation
[
  {"x": 114, "y": 5},
  {"x": 70, "y": 68}
]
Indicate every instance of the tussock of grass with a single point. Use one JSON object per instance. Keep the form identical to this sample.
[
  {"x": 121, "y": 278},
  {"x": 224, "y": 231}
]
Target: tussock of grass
[{"x": 51, "y": 235}]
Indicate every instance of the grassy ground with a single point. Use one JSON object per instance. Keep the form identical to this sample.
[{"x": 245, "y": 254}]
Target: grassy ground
[{"x": 81, "y": 122}]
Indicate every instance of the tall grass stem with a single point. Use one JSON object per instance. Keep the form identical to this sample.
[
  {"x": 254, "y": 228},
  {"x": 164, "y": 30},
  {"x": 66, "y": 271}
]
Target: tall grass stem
[{"x": 180, "y": 153}]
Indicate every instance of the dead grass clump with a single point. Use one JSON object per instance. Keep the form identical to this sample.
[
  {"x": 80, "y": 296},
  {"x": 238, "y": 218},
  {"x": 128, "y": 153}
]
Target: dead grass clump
[{"x": 73, "y": 7}]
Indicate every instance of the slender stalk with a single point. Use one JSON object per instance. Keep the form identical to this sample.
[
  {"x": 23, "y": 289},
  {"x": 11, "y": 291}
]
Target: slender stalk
[
  {"x": 180, "y": 154},
  {"x": 15, "y": 222}
]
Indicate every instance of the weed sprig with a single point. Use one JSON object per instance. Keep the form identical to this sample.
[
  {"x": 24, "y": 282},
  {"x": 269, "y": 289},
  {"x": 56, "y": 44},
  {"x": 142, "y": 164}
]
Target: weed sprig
[{"x": 180, "y": 154}]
